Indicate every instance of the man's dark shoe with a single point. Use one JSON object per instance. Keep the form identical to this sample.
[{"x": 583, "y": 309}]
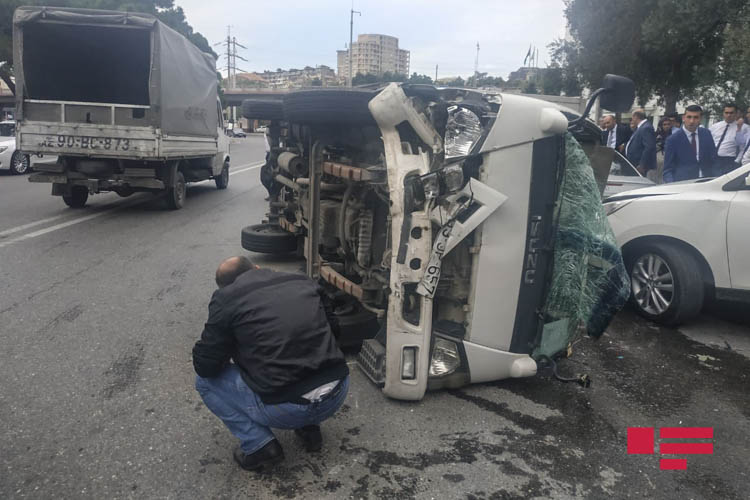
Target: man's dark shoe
[
  {"x": 268, "y": 455},
  {"x": 311, "y": 437}
]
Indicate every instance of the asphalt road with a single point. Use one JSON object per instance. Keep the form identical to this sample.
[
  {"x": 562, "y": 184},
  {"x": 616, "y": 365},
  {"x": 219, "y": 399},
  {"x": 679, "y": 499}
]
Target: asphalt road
[{"x": 99, "y": 310}]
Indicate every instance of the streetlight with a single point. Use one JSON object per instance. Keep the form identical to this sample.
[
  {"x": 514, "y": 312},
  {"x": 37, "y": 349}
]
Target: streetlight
[{"x": 351, "y": 34}]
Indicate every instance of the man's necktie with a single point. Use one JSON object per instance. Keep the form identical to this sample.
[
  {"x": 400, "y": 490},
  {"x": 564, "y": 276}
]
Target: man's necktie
[{"x": 692, "y": 143}]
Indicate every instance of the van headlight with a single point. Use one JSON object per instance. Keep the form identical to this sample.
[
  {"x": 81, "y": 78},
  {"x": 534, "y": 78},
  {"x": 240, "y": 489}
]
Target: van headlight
[{"x": 445, "y": 358}]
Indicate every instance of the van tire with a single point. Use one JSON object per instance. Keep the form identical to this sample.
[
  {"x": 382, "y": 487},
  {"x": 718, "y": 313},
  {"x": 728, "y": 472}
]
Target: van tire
[
  {"x": 329, "y": 106},
  {"x": 176, "y": 193},
  {"x": 222, "y": 180},
  {"x": 263, "y": 109},
  {"x": 268, "y": 238},
  {"x": 77, "y": 197}
]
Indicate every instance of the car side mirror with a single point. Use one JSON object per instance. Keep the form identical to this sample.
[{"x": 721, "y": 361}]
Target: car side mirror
[{"x": 618, "y": 93}]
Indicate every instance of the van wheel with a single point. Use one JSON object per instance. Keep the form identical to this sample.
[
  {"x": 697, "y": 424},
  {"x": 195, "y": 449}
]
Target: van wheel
[
  {"x": 19, "y": 163},
  {"x": 176, "y": 194},
  {"x": 77, "y": 197},
  {"x": 329, "y": 106},
  {"x": 222, "y": 180},
  {"x": 667, "y": 286},
  {"x": 268, "y": 238}
]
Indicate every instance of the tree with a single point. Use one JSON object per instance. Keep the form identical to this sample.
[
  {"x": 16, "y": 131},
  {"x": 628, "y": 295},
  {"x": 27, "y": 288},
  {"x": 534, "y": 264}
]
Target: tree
[
  {"x": 456, "y": 82},
  {"x": 415, "y": 78},
  {"x": 552, "y": 80},
  {"x": 668, "y": 47},
  {"x": 529, "y": 87},
  {"x": 164, "y": 10}
]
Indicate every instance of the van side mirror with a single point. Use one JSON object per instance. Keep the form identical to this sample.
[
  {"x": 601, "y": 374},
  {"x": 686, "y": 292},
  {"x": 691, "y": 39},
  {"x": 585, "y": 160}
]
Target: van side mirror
[{"x": 618, "y": 94}]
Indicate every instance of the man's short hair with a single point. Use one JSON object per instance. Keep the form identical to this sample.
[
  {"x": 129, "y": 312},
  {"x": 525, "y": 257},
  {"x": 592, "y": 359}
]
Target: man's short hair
[
  {"x": 674, "y": 115},
  {"x": 230, "y": 268},
  {"x": 729, "y": 105},
  {"x": 640, "y": 114},
  {"x": 694, "y": 108}
]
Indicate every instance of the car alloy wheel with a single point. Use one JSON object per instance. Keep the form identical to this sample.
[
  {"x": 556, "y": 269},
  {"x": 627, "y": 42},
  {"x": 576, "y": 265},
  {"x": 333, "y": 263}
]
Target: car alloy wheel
[
  {"x": 653, "y": 284},
  {"x": 20, "y": 163}
]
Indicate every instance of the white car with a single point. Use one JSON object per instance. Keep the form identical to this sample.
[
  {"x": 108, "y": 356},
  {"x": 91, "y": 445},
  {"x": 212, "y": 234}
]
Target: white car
[
  {"x": 684, "y": 243},
  {"x": 624, "y": 177},
  {"x": 10, "y": 158}
]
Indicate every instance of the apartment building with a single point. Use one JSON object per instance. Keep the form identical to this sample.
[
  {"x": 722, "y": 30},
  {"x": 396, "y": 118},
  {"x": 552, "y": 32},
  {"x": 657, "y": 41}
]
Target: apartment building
[{"x": 374, "y": 54}]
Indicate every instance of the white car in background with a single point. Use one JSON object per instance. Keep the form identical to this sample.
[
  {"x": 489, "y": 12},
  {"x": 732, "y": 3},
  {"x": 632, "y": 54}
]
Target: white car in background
[
  {"x": 10, "y": 158},
  {"x": 624, "y": 177},
  {"x": 684, "y": 243}
]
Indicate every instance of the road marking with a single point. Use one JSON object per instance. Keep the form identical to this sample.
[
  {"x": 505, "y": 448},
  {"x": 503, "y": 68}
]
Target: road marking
[
  {"x": 29, "y": 225},
  {"x": 62, "y": 225}
]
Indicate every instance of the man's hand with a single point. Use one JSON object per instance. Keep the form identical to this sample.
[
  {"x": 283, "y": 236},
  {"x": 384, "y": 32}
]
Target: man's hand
[{"x": 621, "y": 149}]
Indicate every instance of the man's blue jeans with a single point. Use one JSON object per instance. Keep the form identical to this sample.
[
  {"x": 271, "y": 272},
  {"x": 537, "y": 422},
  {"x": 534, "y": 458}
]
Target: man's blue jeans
[{"x": 249, "y": 419}]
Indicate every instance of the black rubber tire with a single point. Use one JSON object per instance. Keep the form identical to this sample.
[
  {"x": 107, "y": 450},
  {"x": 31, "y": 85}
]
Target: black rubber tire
[
  {"x": 263, "y": 109},
  {"x": 356, "y": 327},
  {"x": 329, "y": 106},
  {"x": 268, "y": 238},
  {"x": 222, "y": 180},
  {"x": 177, "y": 193},
  {"x": 688, "y": 285},
  {"x": 23, "y": 167},
  {"x": 77, "y": 197}
]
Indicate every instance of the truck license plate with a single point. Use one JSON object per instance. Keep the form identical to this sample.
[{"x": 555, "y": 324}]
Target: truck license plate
[{"x": 85, "y": 142}]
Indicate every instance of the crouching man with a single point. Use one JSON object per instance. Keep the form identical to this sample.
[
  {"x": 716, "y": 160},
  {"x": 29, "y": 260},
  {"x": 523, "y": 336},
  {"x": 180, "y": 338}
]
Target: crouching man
[{"x": 267, "y": 358}]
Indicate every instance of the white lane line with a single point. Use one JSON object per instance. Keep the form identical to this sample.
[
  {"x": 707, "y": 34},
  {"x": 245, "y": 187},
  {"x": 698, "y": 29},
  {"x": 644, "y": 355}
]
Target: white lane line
[
  {"x": 62, "y": 225},
  {"x": 29, "y": 225}
]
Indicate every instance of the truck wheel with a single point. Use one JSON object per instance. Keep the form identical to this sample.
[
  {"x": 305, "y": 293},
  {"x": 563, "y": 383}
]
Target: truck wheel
[
  {"x": 176, "y": 194},
  {"x": 329, "y": 105},
  {"x": 263, "y": 109},
  {"x": 19, "y": 163},
  {"x": 268, "y": 238},
  {"x": 667, "y": 286},
  {"x": 222, "y": 180},
  {"x": 77, "y": 197}
]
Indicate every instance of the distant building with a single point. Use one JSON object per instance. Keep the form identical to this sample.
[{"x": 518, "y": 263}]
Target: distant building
[
  {"x": 523, "y": 74},
  {"x": 373, "y": 54},
  {"x": 284, "y": 79}
]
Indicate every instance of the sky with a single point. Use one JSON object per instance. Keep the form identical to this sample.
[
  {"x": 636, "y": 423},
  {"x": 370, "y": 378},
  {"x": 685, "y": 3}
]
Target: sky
[{"x": 298, "y": 33}]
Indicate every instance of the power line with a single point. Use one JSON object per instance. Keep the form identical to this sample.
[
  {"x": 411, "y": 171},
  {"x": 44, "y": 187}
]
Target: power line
[{"x": 231, "y": 55}]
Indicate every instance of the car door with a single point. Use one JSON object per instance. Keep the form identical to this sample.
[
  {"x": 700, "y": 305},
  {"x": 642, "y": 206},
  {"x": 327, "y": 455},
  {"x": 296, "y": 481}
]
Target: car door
[{"x": 738, "y": 238}]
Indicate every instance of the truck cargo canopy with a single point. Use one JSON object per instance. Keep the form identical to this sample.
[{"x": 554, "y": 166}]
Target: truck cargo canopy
[{"x": 112, "y": 57}]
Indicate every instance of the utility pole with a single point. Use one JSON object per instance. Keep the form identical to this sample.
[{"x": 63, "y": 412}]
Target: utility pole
[
  {"x": 476, "y": 67},
  {"x": 436, "y": 68},
  {"x": 351, "y": 36},
  {"x": 231, "y": 44}
]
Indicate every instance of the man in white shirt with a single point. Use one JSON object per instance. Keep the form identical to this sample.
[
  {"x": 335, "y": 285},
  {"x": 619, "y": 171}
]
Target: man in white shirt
[{"x": 725, "y": 135}]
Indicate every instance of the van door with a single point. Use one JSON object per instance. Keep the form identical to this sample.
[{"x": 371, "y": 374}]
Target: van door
[{"x": 738, "y": 240}]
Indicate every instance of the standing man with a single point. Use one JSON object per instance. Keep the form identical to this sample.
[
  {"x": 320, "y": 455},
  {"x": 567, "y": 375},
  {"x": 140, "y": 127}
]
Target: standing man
[
  {"x": 287, "y": 371},
  {"x": 725, "y": 134},
  {"x": 688, "y": 150},
  {"x": 641, "y": 148},
  {"x": 614, "y": 135}
]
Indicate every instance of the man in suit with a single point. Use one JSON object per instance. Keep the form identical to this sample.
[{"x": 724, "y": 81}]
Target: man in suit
[
  {"x": 729, "y": 137},
  {"x": 640, "y": 150},
  {"x": 614, "y": 135},
  {"x": 690, "y": 149}
]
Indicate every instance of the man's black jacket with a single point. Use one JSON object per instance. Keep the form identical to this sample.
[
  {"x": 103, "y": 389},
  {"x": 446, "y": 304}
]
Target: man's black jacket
[{"x": 274, "y": 326}]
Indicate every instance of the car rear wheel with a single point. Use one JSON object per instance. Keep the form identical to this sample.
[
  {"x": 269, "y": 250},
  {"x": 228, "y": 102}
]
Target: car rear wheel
[
  {"x": 667, "y": 286},
  {"x": 268, "y": 238},
  {"x": 19, "y": 163}
]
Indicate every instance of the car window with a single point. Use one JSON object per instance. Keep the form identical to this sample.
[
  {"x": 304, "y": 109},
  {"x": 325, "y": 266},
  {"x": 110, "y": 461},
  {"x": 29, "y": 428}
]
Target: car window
[
  {"x": 621, "y": 166},
  {"x": 221, "y": 115}
]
